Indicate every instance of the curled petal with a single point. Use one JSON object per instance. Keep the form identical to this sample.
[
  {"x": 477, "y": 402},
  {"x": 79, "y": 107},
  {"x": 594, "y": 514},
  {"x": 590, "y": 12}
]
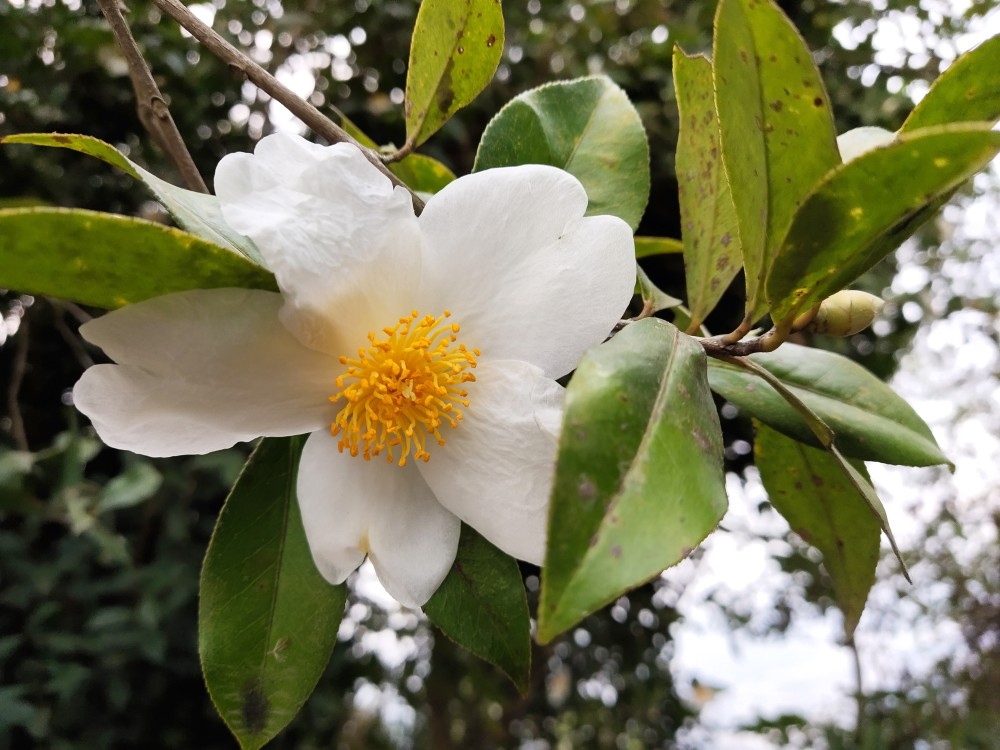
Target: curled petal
[{"x": 341, "y": 241}]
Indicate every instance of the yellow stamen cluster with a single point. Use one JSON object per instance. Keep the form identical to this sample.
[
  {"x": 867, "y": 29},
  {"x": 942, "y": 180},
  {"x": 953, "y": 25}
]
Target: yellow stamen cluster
[{"x": 401, "y": 389}]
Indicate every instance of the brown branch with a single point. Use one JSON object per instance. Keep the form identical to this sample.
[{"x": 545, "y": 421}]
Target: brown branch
[
  {"x": 152, "y": 107},
  {"x": 18, "y": 368},
  {"x": 243, "y": 65}
]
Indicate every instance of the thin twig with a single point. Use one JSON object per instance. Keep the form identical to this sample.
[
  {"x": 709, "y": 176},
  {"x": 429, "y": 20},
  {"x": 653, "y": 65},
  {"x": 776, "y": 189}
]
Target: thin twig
[
  {"x": 243, "y": 65},
  {"x": 859, "y": 724},
  {"x": 18, "y": 368},
  {"x": 153, "y": 111}
]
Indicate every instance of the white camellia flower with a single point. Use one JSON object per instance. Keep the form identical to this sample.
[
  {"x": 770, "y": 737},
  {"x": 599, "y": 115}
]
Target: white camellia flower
[
  {"x": 420, "y": 353},
  {"x": 858, "y": 141}
]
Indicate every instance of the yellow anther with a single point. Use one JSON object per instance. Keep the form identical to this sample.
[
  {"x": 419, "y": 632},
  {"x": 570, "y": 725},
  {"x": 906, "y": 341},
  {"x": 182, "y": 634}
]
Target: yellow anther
[{"x": 401, "y": 389}]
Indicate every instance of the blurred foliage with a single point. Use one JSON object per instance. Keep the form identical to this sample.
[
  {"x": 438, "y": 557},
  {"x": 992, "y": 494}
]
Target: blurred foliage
[{"x": 100, "y": 551}]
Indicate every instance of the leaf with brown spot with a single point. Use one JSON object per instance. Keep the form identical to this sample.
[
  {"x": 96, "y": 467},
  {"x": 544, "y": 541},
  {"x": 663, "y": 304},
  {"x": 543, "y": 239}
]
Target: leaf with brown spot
[
  {"x": 454, "y": 53},
  {"x": 969, "y": 90},
  {"x": 652, "y": 493},
  {"x": 777, "y": 143},
  {"x": 261, "y": 598},
  {"x": 866, "y": 208},
  {"x": 708, "y": 217}
]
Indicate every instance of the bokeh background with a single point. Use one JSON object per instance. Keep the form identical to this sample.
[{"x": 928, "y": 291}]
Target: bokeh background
[{"x": 737, "y": 647}]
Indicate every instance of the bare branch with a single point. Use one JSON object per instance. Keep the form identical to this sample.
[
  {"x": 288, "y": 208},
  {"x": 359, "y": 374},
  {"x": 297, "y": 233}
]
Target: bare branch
[
  {"x": 153, "y": 111},
  {"x": 18, "y": 367},
  {"x": 243, "y": 65}
]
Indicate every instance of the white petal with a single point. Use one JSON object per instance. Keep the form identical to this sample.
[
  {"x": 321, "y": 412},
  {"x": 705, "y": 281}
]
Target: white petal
[
  {"x": 201, "y": 370},
  {"x": 351, "y": 507},
  {"x": 342, "y": 242},
  {"x": 854, "y": 143},
  {"x": 509, "y": 253},
  {"x": 495, "y": 472}
]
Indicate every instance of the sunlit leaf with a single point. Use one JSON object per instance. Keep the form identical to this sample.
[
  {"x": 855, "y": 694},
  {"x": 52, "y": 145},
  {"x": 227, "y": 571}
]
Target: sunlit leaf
[
  {"x": 646, "y": 247},
  {"x": 868, "y": 419},
  {"x": 198, "y": 213},
  {"x": 108, "y": 261},
  {"x": 712, "y": 254},
  {"x": 587, "y": 127},
  {"x": 267, "y": 620},
  {"x": 778, "y": 134},
  {"x": 639, "y": 480},
  {"x": 455, "y": 50},
  {"x": 481, "y": 606},
  {"x": 809, "y": 488},
  {"x": 967, "y": 91},
  {"x": 867, "y": 207}
]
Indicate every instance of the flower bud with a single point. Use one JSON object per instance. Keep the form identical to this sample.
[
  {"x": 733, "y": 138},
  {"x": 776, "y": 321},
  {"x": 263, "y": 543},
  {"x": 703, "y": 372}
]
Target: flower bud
[{"x": 842, "y": 314}]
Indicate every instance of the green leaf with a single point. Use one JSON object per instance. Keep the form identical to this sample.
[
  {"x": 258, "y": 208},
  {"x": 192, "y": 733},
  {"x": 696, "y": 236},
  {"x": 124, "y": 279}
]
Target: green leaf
[
  {"x": 108, "y": 261},
  {"x": 422, "y": 173},
  {"x": 267, "y": 620},
  {"x": 866, "y": 208},
  {"x": 648, "y": 246},
  {"x": 778, "y": 134},
  {"x": 712, "y": 254},
  {"x": 654, "y": 299},
  {"x": 868, "y": 419},
  {"x": 455, "y": 50},
  {"x": 587, "y": 127},
  {"x": 481, "y": 606},
  {"x": 809, "y": 488},
  {"x": 639, "y": 480},
  {"x": 198, "y": 213},
  {"x": 137, "y": 483},
  {"x": 967, "y": 91}
]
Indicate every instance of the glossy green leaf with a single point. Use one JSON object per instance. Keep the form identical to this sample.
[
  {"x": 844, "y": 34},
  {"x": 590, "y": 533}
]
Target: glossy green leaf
[
  {"x": 455, "y": 50},
  {"x": 482, "y": 607},
  {"x": 969, "y": 90},
  {"x": 867, "y": 207},
  {"x": 868, "y": 419},
  {"x": 712, "y": 253},
  {"x": 649, "y": 246},
  {"x": 198, "y": 213},
  {"x": 587, "y": 127},
  {"x": 108, "y": 261},
  {"x": 267, "y": 620},
  {"x": 639, "y": 480},
  {"x": 809, "y": 488},
  {"x": 778, "y": 134}
]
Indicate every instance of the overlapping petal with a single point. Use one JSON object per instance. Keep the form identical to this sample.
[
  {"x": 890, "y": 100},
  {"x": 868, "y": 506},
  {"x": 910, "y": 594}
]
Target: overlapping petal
[
  {"x": 351, "y": 507},
  {"x": 340, "y": 239},
  {"x": 199, "y": 371},
  {"x": 495, "y": 471},
  {"x": 529, "y": 278}
]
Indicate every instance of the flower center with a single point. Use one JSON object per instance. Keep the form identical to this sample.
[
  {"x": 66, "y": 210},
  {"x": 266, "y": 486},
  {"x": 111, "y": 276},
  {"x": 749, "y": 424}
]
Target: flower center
[{"x": 401, "y": 389}]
